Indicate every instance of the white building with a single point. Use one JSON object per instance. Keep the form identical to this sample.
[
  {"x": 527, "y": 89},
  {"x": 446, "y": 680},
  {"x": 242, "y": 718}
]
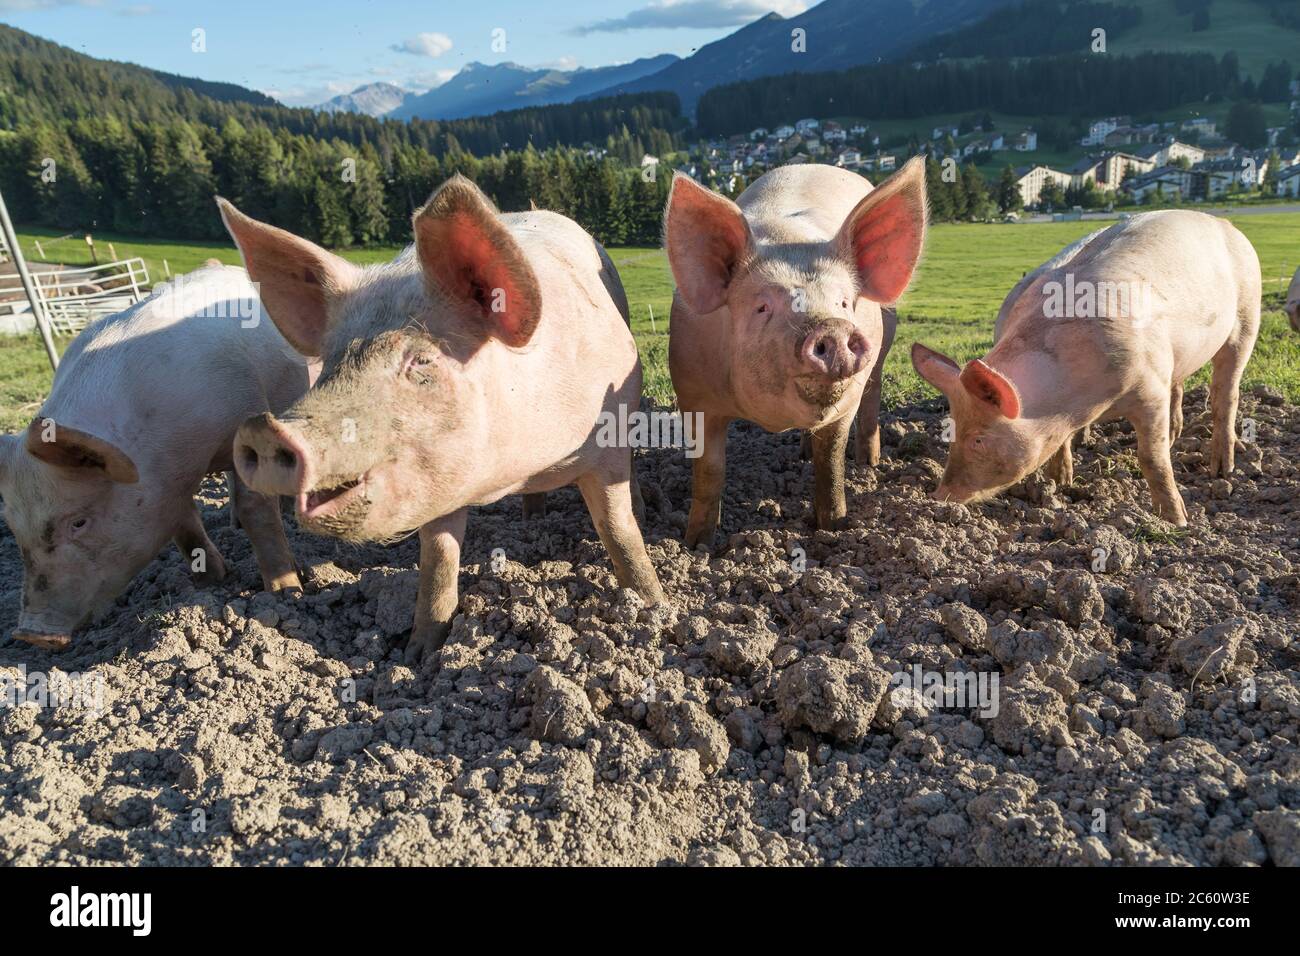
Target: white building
[
  {"x": 783, "y": 132},
  {"x": 1030, "y": 180},
  {"x": 1288, "y": 182},
  {"x": 1100, "y": 129},
  {"x": 1025, "y": 142}
]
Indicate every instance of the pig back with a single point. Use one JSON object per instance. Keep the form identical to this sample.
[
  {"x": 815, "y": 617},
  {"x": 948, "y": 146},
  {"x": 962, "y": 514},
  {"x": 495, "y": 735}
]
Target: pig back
[
  {"x": 1181, "y": 278},
  {"x": 170, "y": 379}
]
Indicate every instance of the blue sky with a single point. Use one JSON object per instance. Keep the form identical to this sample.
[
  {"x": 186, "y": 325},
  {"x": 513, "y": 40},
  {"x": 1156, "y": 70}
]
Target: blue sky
[{"x": 305, "y": 52}]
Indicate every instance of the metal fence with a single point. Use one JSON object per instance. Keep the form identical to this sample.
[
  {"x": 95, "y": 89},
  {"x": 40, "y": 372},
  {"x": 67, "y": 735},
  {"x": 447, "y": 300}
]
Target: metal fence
[{"x": 74, "y": 297}]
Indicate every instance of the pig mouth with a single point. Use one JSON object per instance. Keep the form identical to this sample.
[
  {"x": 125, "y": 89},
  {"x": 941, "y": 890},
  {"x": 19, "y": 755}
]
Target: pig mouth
[
  {"x": 820, "y": 392},
  {"x": 328, "y": 500}
]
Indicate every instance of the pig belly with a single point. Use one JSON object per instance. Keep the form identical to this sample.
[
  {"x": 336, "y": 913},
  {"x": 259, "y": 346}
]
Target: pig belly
[{"x": 1193, "y": 348}]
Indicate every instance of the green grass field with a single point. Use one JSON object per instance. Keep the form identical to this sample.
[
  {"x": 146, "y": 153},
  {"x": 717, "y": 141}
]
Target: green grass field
[{"x": 966, "y": 272}]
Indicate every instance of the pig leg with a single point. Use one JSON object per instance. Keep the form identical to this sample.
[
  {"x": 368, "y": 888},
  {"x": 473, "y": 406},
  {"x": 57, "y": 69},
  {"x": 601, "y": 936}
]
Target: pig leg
[
  {"x": 610, "y": 502},
  {"x": 1176, "y": 413},
  {"x": 259, "y": 516},
  {"x": 1060, "y": 467},
  {"x": 535, "y": 505},
  {"x": 1229, "y": 363},
  {"x": 709, "y": 474},
  {"x": 866, "y": 442},
  {"x": 190, "y": 537},
  {"x": 829, "y": 444},
  {"x": 638, "y": 503},
  {"x": 437, "y": 595},
  {"x": 1151, "y": 423}
]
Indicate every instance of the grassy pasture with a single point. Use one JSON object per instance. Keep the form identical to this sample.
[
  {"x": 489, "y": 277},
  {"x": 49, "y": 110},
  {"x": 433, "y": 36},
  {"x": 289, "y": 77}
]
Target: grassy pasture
[{"x": 966, "y": 272}]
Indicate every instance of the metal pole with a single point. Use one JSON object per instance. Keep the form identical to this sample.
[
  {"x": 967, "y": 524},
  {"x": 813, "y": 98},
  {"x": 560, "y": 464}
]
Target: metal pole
[{"x": 33, "y": 296}]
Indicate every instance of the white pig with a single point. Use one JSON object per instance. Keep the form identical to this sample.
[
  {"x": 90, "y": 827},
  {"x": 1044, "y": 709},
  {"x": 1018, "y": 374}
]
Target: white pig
[
  {"x": 1110, "y": 328},
  {"x": 145, "y": 403}
]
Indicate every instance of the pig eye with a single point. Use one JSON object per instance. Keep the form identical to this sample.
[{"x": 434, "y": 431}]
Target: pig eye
[
  {"x": 762, "y": 308},
  {"x": 418, "y": 367},
  {"x": 79, "y": 525}
]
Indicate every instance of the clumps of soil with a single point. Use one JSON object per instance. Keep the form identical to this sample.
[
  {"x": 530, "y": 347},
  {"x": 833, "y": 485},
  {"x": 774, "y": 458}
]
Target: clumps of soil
[{"x": 1144, "y": 682}]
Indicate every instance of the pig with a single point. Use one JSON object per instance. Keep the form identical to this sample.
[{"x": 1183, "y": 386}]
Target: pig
[
  {"x": 777, "y": 317},
  {"x": 1192, "y": 284},
  {"x": 476, "y": 365},
  {"x": 1291, "y": 306},
  {"x": 144, "y": 404}
]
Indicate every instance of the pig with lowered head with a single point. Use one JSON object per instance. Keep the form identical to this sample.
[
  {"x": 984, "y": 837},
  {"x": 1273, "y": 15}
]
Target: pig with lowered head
[
  {"x": 145, "y": 403},
  {"x": 778, "y": 314},
  {"x": 474, "y": 366},
  {"x": 1291, "y": 305},
  {"x": 1110, "y": 328}
]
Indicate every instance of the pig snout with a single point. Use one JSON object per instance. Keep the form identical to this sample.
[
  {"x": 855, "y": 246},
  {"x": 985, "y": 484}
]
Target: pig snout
[
  {"x": 835, "y": 350},
  {"x": 40, "y": 631},
  {"x": 49, "y": 642},
  {"x": 271, "y": 458}
]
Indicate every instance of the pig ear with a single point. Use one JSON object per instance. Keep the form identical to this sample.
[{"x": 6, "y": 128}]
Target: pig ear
[
  {"x": 884, "y": 233},
  {"x": 707, "y": 239},
  {"x": 295, "y": 277},
  {"x": 471, "y": 257},
  {"x": 939, "y": 370},
  {"x": 75, "y": 449},
  {"x": 991, "y": 386}
]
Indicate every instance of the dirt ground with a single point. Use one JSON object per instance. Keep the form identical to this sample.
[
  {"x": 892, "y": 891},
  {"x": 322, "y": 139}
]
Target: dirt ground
[{"x": 1145, "y": 710}]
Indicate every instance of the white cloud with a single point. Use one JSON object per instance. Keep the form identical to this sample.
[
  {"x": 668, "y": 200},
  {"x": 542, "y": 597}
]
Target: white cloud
[
  {"x": 695, "y": 14},
  {"x": 425, "y": 44}
]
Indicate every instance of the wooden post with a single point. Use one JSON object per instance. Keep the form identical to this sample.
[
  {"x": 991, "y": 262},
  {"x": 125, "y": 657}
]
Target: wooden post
[
  {"x": 33, "y": 296},
  {"x": 90, "y": 241}
]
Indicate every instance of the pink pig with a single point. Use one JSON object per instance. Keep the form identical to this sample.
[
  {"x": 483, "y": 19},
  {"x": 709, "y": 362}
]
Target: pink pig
[
  {"x": 778, "y": 314},
  {"x": 144, "y": 404},
  {"x": 1108, "y": 329},
  {"x": 476, "y": 365}
]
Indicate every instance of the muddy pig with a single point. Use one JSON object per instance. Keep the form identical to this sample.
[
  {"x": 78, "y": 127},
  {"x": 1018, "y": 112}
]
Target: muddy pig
[
  {"x": 476, "y": 365},
  {"x": 1110, "y": 328},
  {"x": 777, "y": 316},
  {"x": 1292, "y": 303},
  {"x": 145, "y": 403}
]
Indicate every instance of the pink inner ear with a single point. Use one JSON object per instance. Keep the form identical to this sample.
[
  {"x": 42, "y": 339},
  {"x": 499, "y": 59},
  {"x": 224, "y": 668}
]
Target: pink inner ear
[
  {"x": 469, "y": 263},
  {"x": 885, "y": 234},
  {"x": 991, "y": 386}
]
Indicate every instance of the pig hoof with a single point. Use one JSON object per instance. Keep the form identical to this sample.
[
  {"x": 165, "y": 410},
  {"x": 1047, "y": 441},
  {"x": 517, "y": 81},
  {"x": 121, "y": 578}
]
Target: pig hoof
[
  {"x": 215, "y": 573},
  {"x": 283, "y": 582}
]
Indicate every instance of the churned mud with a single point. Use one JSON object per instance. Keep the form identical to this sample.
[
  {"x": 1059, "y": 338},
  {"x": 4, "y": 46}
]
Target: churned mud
[{"x": 1129, "y": 694}]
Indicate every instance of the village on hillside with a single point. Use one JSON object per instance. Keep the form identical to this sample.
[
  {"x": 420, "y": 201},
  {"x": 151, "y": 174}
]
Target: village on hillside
[{"x": 1124, "y": 163}]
